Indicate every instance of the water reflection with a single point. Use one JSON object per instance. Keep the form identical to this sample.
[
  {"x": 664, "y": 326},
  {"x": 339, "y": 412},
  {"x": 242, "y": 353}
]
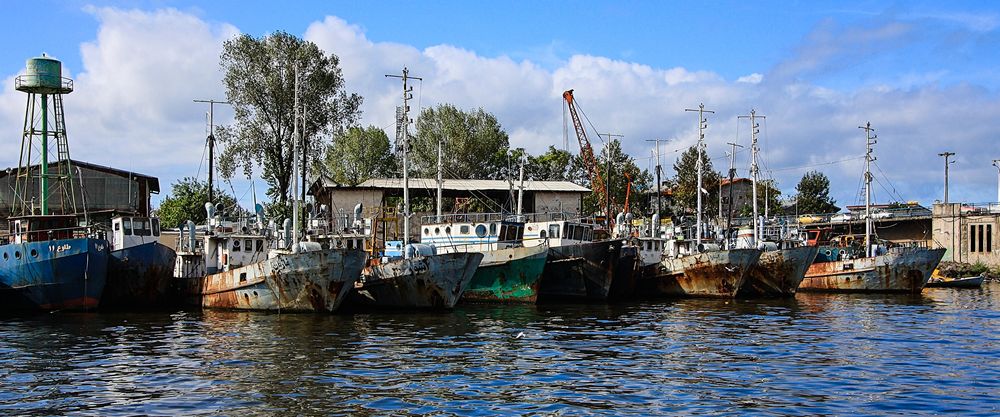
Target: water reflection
[{"x": 812, "y": 354}]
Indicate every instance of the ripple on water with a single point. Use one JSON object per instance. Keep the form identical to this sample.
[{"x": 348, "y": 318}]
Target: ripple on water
[{"x": 935, "y": 353}]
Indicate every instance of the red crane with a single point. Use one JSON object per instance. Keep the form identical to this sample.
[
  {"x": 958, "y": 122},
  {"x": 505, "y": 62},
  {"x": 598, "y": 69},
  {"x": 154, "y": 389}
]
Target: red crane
[
  {"x": 628, "y": 191},
  {"x": 587, "y": 153}
]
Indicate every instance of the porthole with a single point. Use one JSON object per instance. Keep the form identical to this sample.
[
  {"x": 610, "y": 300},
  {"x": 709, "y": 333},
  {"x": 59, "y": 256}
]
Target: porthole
[
  {"x": 427, "y": 231},
  {"x": 447, "y": 230},
  {"x": 17, "y": 254},
  {"x": 34, "y": 253},
  {"x": 5, "y": 256},
  {"x": 481, "y": 230},
  {"x": 437, "y": 230}
]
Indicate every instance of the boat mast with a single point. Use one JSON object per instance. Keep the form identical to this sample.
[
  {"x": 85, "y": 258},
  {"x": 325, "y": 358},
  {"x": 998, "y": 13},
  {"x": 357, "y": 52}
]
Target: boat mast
[
  {"x": 754, "y": 173},
  {"x": 869, "y": 142},
  {"x": 520, "y": 187},
  {"x": 439, "y": 183},
  {"x": 732, "y": 176},
  {"x": 406, "y": 148},
  {"x": 702, "y": 125},
  {"x": 295, "y": 164}
]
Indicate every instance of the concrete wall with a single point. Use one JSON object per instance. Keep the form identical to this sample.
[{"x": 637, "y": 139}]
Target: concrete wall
[
  {"x": 969, "y": 235},
  {"x": 341, "y": 199},
  {"x": 553, "y": 202}
]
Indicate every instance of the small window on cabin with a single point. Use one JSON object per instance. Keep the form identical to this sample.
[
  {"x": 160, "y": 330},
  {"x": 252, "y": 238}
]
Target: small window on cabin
[
  {"x": 427, "y": 231},
  {"x": 493, "y": 229},
  {"x": 588, "y": 234},
  {"x": 236, "y": 245},
  {"x": 541, "y": 234},
  {"x": 140, "y": 227},
  {"x": 554, "y": 230},
  {"x": 248, "y": 244},
  {"x": 464, "y": 229},
  {"x": 118, "y": 226},
  {"x": 156, "y": 226},
  {"x": 519, "y": 230},
  {"x": 437, "y": 231},
  {"x": 481, "y": 230},
  {"x": 260, "y": 245},
  {"x": 127, "y": 226},
  {"x": 578, "y": 233},
  {"x": 447, "y": 230}
]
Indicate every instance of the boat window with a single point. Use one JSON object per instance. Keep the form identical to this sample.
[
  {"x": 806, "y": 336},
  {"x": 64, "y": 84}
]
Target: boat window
[
  {"x": 464, "y": 229},
  {"x": 567, "y": 231},
  {"x": 236, "y": 245},
  {"x": 554, "y": 230},
  {"x": 437, "y": 230},
  {"x": 541, "y": 234},
  {"x": 588, "y": 234},
  {"x": 260, "y": 245},
  {"x": 427, "y": 231},
  {"x": 447, "y": 230},
  {"x": 156, "y": 226},
  {"x": 127, "y": 226},
  {"x": 493, "y": 229},
  {"x": 248, "y": 245},
  {"x": 140, "y": 227},
  {"x": 118, "y": 225},
  {"x": 519, "y": 230},
  {"x": 481, "y": 230},
  {"x": 578, "y": 233}
]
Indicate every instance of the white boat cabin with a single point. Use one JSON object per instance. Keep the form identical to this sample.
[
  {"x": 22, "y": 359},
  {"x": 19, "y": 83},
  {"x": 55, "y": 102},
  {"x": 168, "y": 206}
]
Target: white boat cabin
[
  {"x": 454, "y": 236},
  {"x": 225, "y": 252},
  {"x": 127, "y": 232},
  {"x": 558, "y": 233}
]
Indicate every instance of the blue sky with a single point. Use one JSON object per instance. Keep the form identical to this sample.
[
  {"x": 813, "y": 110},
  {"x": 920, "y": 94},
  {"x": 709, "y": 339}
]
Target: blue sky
[{"x": 925, "y": 74}]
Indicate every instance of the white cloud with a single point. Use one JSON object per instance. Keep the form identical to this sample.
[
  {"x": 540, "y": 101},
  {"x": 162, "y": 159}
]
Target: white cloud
[{"x": 754, "y": 78}]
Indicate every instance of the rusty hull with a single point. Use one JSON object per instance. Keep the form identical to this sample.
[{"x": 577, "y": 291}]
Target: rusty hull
[
  {"x": 421, "y": 282},
  {"x": 716, "y": 274},
  {"x": 902, "y": 270},
  {"x": 316, "y": 281},
  {"x": 778, "y": 273}
]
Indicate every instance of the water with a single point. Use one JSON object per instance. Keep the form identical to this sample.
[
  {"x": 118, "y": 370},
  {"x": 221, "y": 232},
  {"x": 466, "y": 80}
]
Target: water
[{"x": 936, "y": 353}]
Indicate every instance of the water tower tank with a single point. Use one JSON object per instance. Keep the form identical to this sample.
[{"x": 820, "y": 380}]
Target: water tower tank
[{"x": 43, "y": 76}]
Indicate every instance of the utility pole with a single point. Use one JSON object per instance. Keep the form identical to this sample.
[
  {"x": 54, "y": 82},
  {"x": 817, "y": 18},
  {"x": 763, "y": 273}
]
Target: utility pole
[
  {"x": 702, "y": 125},
  {"x": 211, "y": 141},
  {"x": 869, "y": 142},
  {"x": 607, "y": 184},
  {"x": 407, "y": 95},
  {"x": 296, "y": 137},
  {"x": 996, "y": 163},
  {"x": 732, "y": 176},
  {"x": 754, "y": 170},
  {"x": 305, "y": 150},
  {"x": 946, "y": 155}
]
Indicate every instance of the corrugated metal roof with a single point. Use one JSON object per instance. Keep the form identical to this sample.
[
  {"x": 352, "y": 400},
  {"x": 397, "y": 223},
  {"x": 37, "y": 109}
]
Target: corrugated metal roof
[{"x": 465, "y": 185}]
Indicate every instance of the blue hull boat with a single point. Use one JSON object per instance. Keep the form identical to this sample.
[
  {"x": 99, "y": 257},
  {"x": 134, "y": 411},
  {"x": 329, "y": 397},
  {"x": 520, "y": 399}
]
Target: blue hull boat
[
  {"x": 61, "y": 274},
  {"x": 139, "y": 277}
]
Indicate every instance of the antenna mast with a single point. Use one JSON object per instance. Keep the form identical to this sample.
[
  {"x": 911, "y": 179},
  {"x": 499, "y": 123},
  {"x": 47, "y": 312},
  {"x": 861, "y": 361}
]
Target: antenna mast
[
  {"x": 702, "y": 125},
  {"x": 754, "y": 171},
  {"x": 407, "y": 95},
  {"x": 211, "y": 142},
  {"x": 869, "y": 142}
]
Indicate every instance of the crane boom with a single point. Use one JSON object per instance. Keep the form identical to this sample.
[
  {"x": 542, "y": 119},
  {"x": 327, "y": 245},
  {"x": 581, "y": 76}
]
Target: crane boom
[{"x": 587, "y": 152}]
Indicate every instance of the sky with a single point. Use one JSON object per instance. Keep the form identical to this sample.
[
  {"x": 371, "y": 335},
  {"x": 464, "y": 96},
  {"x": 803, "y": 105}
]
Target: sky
[{"x": 925, "y": 74}]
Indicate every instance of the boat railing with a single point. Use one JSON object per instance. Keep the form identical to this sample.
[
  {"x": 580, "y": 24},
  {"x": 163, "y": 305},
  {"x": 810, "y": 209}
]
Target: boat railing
[
  {"x": 470, "y": 218},
  {"x": 73, "y": 232}
]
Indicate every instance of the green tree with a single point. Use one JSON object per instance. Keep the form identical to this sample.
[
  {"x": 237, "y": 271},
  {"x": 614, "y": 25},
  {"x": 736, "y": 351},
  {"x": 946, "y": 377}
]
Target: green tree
[
  {"x": 553, "y": 165},
  {"x": 475, "y": 146},
  {"x": 360, "y": 154},
  {"x": 685, "y": 182},
  {"x": 260, "y": 84},
  {"x": 813, "y": 194},
  {"x": 621, "y": 164},
  {"x": 186, "y": 201}
]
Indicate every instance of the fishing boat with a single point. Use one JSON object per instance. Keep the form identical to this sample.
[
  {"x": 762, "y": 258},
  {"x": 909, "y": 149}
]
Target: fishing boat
[
  {"x": 49, "y": 262},
  {"x": 243, "y": 265},
  {"x": 848, "y": 264},
  {"x": 579, "y": 267},
  {"x": 140, "y": 268},
  {"x": 785, "y": 258},
  {"x": 509, "y": 272}
]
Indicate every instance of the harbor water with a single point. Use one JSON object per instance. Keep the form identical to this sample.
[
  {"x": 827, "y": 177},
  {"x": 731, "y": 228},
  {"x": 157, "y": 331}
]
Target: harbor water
[{"x": 815, "y": 354}]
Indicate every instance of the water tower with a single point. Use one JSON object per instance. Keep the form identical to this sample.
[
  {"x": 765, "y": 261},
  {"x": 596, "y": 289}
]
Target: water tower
[{"x": 44, "y": 120}]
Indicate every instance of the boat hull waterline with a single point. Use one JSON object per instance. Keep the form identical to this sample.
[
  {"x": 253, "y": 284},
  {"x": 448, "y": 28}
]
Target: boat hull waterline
[
  {"x": 778, "y": 273},
  {"x": 714, "y": 274},
  {"x": 140, "y": 277},
  {"x": 420, "y": 282},
  {"x": 902, "y": 270},
  {"x": 315, "y": 281},
  {"x": 65, "y": 274},
  {"x": 508, "y": 276}
]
